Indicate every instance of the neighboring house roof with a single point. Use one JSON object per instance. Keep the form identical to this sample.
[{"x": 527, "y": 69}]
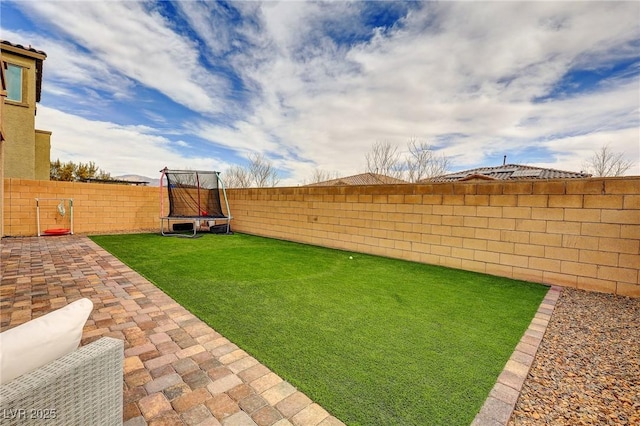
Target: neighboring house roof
[
  {"x": 507, "y": 172},
  {"x": 29, "y": 52},
  {"x": 361, "y": 179}
]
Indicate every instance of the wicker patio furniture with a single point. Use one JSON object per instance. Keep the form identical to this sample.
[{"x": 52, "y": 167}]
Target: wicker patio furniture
[{"x": 82, "y": 388}]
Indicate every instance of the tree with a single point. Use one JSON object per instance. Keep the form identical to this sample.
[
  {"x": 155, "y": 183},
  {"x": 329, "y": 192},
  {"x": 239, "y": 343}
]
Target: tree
[
  {"x": 422, "y": 162},
  {"x": 86, "y": 171},
  {"x": 61, "y": 171},
  {"x": 384, "y": 159},
  {"x": 237, "y": 177},
  {"x": 320, "y": 175},
  {"x": 71, "y": 171},
  {"x": 419, "y": 162},
  {"x": 259, "y": 173},
  {"x": 262, "y": 171},
  {"x": 605, "y": 162}
]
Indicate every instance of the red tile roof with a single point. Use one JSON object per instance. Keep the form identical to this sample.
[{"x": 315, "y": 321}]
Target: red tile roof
[
  {"x": 508, "y": 172},
  {"x": 361, "y": 179},
  {"x": 28, "y": 49}
]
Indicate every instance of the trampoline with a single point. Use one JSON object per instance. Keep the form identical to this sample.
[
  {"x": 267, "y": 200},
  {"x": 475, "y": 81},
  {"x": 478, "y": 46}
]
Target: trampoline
[{"x": 194, "y": 203}]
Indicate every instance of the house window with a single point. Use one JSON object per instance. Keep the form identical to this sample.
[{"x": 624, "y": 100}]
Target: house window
[{"x": 14, "y": 83}]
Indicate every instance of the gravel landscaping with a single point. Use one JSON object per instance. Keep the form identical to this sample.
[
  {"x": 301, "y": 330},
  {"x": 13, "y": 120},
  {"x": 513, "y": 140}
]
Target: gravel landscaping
[{"x": 587, "y": 368}]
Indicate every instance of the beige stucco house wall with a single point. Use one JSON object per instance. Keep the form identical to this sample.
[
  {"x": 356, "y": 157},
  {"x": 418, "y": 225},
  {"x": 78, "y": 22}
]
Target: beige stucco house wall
[
  {"x": 26, "y": 150},
  {"x": 42, "y": 154},
  {"x": 3, "y": 94}
]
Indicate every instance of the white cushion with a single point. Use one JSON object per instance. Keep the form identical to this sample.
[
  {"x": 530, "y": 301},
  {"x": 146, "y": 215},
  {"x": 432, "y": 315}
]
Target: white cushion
[{"x": 38, "y": 342}]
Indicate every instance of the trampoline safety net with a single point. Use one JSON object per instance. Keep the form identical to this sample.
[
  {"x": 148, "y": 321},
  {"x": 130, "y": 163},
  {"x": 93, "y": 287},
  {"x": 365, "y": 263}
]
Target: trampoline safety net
[{"x": 194, "y": 194}]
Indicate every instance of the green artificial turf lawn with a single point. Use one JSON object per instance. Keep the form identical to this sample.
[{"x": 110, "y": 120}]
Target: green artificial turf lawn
[{"x": 375, "y": 341}]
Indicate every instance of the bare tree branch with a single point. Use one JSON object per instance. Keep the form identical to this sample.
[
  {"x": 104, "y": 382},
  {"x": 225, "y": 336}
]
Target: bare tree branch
[
  {"x": 605, "y": 162},
  {"x": 320, "y": 175},
  {"x": 384, "y": 159},
  {"x": 262, "y": 172},
  {"x": 420, "y": 162},
  {"x": 237, "y": 177},
  {"x": 259, "y": 173}
]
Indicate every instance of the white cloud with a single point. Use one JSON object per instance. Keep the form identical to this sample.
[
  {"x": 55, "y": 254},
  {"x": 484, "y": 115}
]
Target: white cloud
[
  {"x": 472, "y": 69},
  {"x": 115, "y": 148},
  {"x": 308, "y": 101},
  {"x": 66, "y": 68},
  {"x": 572, "y": 152},
  {"x": 137, "y": 42},
  {"x": 209, "y": 20}
]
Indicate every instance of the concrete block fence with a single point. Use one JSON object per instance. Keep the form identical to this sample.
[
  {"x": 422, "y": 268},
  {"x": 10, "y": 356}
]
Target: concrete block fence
[
  {"x": 577, "y": 233},
  {"x": 97, "y": 208}
]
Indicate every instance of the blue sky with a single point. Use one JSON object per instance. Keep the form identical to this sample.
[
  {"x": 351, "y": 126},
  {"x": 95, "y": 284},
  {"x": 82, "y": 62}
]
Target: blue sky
[{"x": 136, "y": 86}]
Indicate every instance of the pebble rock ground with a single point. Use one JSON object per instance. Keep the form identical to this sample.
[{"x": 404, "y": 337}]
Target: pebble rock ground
[{"x": 587, "y": 368}]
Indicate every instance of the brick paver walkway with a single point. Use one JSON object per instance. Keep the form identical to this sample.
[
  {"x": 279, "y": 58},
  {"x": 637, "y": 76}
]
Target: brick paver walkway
[{"x": 177, "y": 370}]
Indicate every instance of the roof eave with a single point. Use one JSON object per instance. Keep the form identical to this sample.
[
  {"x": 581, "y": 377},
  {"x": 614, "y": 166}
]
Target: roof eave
[{"x": 18, "y": 49}]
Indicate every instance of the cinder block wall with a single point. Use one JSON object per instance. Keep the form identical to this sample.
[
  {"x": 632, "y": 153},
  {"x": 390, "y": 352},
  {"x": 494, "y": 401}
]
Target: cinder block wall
[
  {"x": 97, "y": 208},
  {"x": 583, "y": 233}
]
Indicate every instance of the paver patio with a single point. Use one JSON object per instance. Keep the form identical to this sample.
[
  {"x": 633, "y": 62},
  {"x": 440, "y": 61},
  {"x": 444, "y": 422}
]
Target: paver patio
[{"x": 177, "y": 369}]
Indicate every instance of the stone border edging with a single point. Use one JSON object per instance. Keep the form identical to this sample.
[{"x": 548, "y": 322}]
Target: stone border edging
[{"x": 500, "y": 403}]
